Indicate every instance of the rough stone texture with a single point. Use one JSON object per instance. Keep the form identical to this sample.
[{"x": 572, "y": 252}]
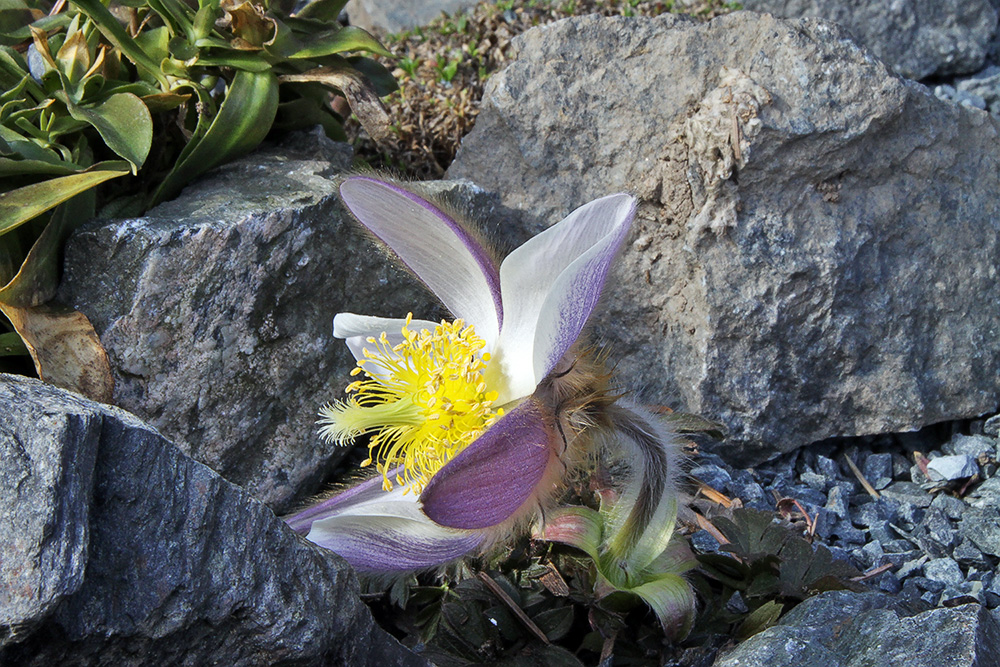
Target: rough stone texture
[
  {"x": 120, "y": 550},
  {"x": 917, "y": 38},
  {"x": 825, "y": 279},
  {"x": 398, "y": 15},
  {"x": 216, "y": 310},
  {"x": 843, "y": 629}
]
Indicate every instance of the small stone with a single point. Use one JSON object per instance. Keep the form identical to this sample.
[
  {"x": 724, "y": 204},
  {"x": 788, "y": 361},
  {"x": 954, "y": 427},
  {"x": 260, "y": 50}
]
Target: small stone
[
  {"x": 970, "y": 445},
  {"x": 705, "y": 542},
  {"x": 825, "y": 521},
  {"x": 897, "y": 545},
  {"x": 881, "y": 532},
  {"x": 736, "y": 605},
  {"x": 837, "y": 499},
  {"x": 986, "y": 494},
  {"x": 869, "y": 554},
  {"x": 745, "y": 487},
  {"x": 948, "y": 468},
  {"x": 908, "y": 492},
  {"x": 712, "y": 475},
  {"x": 981, "y": 526},
  {"x": 828, "y": 467},
  {"x": 848, "y": 533},
  {"x": 939, "y": 528},
  {"x": 815, "y": 481},
  {"x": 878, "y": 470},
  {"x": 911, "y": 514},
  {"x": 944, "y": 570},
  {"x": 927, "y": 584},
  {"x": 898, "y": 559},
  {"x": 952, "y": 507},
  {"x": 992, "y": 426},
  {"x": 911, "y": 567},
  {"x": 889, "y": 583},
  {"x": 967, "y": 554}
]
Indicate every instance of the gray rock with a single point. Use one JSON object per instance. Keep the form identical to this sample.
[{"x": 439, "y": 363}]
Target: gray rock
[
  {"x": 385, "y": 16},
  {"x": 986, "y": 494},
  {"x": 909, "y": 493},
  {"x": 985, "y": 85},
  {"x": 981, "y": 527},
  {"x": 127, "y": 552},
  {"x": 992, "y": 426},
  {"x": 917, "y": 38},
  {"x": 948, "y": 468},
  {"x": 827, "y": 631},
  {"x": 216, "y": 311},
  {"x": 952, "y": 507},
  {"x": 878, "y": 470},
  {"x": 944, "y": 570},
  {"x": 971, "y": 445},
  {"x": 783, "y": 290}
]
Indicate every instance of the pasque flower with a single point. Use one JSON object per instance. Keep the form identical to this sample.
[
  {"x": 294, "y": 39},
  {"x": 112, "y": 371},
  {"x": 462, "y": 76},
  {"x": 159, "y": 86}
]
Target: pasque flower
[{"x": 476, "y": 423}]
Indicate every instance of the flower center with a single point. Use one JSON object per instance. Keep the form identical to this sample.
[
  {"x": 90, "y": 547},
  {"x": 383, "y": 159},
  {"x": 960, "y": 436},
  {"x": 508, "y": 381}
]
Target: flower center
[{"x": 423, "y": 400}]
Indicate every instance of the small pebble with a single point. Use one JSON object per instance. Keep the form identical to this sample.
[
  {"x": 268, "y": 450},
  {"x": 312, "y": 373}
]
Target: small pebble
[
  {"x": 944, "y": 570},
  {"x": 992, "y": 426},
  {"x": 878, "y": 470},
  {"x": 948, "y": 468},
  {"x": 908, "y": 492},
  {"x": 970, "y": 445},
  {"x": 703, "y": 541}
]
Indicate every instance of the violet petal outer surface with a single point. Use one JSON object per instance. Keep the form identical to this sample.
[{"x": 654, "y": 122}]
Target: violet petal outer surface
[
  {"x": 379, "y": 531},
  {"x": 492, "y": 477},
  {"x": 434, "y": 247},
  {"x": 550, "y": 286}
]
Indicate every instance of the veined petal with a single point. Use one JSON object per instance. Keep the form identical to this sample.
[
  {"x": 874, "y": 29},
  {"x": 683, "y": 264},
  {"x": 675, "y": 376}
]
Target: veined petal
[
  {"x": 449, "y": 260},
  {"x": 367, "y": 492},
  {"x": 385, "y": 544},
  {"x": 498, "y": 475},
  {"x": 357, "y": 329},
  {"x": 550, "y": 285},
  {"x": 380, "y": 531}
]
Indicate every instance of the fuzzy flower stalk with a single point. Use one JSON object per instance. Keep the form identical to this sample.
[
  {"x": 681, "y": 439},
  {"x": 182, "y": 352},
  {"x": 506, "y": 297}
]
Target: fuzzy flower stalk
[{"x": 475, "y": 425}]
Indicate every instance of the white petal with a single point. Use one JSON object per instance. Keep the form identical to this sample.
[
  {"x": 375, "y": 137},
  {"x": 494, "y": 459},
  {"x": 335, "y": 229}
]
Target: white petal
[
  {"x": 550, "y": 285},
  {"x": 452, "y": 263},
  {"x": 357, "y": 329}
]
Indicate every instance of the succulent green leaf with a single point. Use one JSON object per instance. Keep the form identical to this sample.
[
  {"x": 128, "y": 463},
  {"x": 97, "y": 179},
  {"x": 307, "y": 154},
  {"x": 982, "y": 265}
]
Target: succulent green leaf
[
  {"x": 12, "y": 345},
  {"x": 243, "y": 121},
  {"x": 350, "y": 38},
  {"x": 323, "y": 10},
  {"x": 124, "y": 123},
  {"x": 760, "y": 619},
  {"x": 382, "y": 79},
  {"x": 250, "y": 61},
  {"x": 115, "y": 33},
  {"x": 21, "y": 205}
]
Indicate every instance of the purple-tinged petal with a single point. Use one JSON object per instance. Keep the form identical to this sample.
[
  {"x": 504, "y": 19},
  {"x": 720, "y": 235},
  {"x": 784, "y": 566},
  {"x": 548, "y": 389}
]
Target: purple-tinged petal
[
  {"x": 366, "y": 492},
  {"x": 382, "y": 531},
  {"x": 550, "y": 286},
  {"x": 386, "y": 544},
  {"x": 446, "y": 257},
  {"x": 495, "y": 476}
]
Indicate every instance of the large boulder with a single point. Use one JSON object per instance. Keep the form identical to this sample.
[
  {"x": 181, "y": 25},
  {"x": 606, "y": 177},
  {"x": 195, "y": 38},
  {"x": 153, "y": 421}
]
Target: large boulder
[
  {"x": 816, "y": 244},
  {"x": 216, "y": 310},
  {"x": 119, "y": 550},
  {"x": 917, "y": 38},
  {"x": 843, "y": 629}
]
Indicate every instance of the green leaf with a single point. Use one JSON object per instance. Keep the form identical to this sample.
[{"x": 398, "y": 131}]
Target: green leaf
[
  {"x": 760, "y": 619},
  {"x": 124, "y": 123},
  {"x": 324, "y": 10},
  {"x": 25, "y": 203},
  {"x": 337, "y": 41},
  {"x": 244, "y": 119},
  {"x": 12, "y": 345},
  {"x": 115, "y": 33},
  {"x": 251, "y": 61}
]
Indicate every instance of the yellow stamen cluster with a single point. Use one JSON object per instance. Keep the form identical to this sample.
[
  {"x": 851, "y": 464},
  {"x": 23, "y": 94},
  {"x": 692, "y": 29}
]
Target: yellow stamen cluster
[{"x": 423, "y": 400}]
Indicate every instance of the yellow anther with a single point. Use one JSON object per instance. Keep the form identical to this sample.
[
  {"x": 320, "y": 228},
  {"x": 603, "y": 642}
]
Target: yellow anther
[{"x": 427, "y": 402}]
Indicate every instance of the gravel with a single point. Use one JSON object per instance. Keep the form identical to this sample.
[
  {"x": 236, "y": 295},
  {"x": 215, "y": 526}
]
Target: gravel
[{"x": 939, "y": 534}]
